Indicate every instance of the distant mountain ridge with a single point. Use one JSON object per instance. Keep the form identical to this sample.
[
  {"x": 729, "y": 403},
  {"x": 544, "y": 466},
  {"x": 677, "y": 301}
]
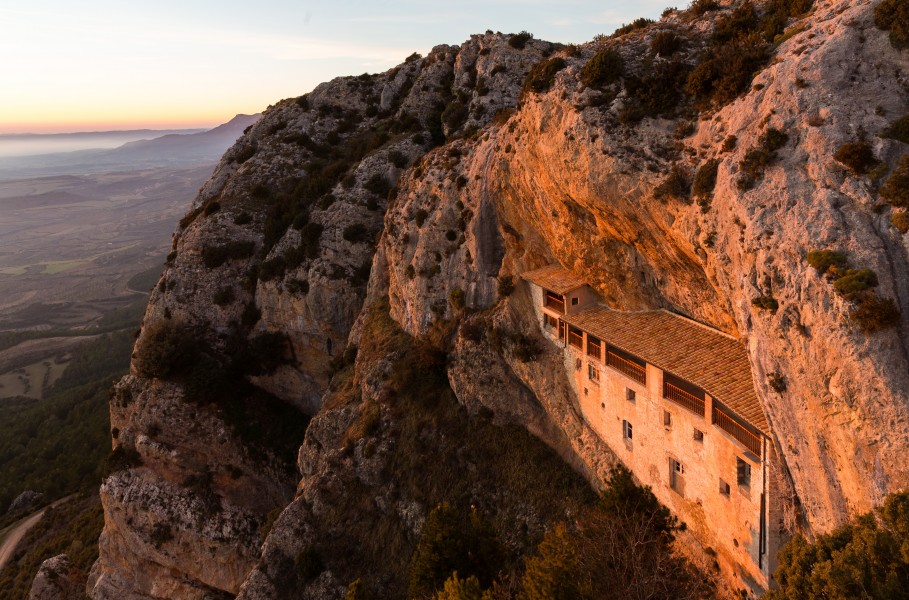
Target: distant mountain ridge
[{"x": 168, "y": 148}]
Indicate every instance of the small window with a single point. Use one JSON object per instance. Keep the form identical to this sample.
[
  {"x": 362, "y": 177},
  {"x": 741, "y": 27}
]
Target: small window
[
  {"x": 551, "y": 321},
  {"x": 593, "y": 374},
  {"x": 698, "y": 435},
  {"x": 724, "y": 488},
  {"x": 627, "y": 432},
  {"x": 574, "y": 301},
  {"x": 742, "y": 472},
  {"x": 667, "y": 419},
  {"x": 577, "y": 364},
  {"x": 629, "y": 394},
  {"x": 676, "y": 470}
]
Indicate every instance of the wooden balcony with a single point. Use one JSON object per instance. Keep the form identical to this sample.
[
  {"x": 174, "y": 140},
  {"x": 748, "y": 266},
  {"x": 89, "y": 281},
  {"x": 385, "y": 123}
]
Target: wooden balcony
[
  {"x": 627, "y": 367},
  {"x": 684, "y": 399},
  {"x": 594, "y": 347},
  {"x": 554, "y": 301},
  {"x": 575, "y": 338},
  {"x": 728, "y": 424}
]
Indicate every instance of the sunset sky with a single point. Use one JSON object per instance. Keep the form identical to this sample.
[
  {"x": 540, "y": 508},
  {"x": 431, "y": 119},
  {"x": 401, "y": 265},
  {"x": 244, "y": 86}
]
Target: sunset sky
[{"x": 120, "y": 64}]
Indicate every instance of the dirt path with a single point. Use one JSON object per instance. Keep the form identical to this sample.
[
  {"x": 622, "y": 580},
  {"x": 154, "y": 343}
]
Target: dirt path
[{"x": 16, "y": 532}]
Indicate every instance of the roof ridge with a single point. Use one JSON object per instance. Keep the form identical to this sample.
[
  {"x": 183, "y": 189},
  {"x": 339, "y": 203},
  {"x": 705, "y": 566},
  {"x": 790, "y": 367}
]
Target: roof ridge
[{"x": 699, "y": 324}]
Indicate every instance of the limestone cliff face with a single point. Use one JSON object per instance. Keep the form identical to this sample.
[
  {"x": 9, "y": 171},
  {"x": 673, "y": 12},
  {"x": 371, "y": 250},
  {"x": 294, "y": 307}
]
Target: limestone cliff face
[
  {"x": 559, "y": 176},
  {"x": 575, "y": 186}
]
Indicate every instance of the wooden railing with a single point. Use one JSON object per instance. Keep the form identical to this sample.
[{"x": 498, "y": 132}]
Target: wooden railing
[
  {"x": 575, "y": 338},
  {"x": 594, "y": 347},
  {"x": 684, "y": 399},
  {"x": 733, "y": 428},
  {"x": 554, "y": 302},
  {"x": 629, "y": 368}
]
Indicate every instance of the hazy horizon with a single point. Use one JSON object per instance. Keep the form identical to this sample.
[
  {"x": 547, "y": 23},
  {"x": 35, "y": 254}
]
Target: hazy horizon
[{"x": 103, "y": 65}]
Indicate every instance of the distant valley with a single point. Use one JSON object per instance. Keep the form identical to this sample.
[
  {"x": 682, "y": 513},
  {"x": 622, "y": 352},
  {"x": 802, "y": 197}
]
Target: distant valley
[{"x": 83, "y": 236}]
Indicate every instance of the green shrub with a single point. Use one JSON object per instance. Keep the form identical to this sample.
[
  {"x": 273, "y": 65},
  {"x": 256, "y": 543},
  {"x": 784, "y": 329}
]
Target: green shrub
[
  {"x": 606, "y": 66},
  {"x": 456, "y": 588},
  {"x": 541, "y": 76},
  {"x": 160, "y": 534},
  {"x": 308, "y": 564},
  {"x": 524, "y": 347},
  {"x": 742, "y": 21},
  {"x": 893, "y": 16},
  {"x": 640, "y": 23},
  {"x": 310, "y": 236},
  {"x": 759, "y": 158},
  {"x": 164, "y": 349},
  {"x": 900, "y": 220},
  {"x": 658, "y": 93},
  {"x": 727, "y": 70},
  {"x": 357, "y": 232},
  {"x": 705, "y": 179},
  {"x": 457, "y": 299},
  {"x": 825, "y": 260},
  {"x": 896, "y": 189},
  {"x": 865, "y": 558},
  {"x": 397, "y": 158},
  {"x": 776, "y": 381},
  {"x": 453, "y": 540},
  {"x": 666, "y": 43},
  {"x": 765, "y": 303},
  {"x": 120, "y": 459},
  {"x": 454, "y": 115},
  {"x": 357, "y": 591},
  {"x": 701, "y": 7},
  {"x": 613, "y": 550},
  {"x": 420, "y": 217},
  {"x": 519, "y": 40},
  {"x": 853, "y": 282},
  {"x": 874, "y": 313},
  {"x": 215, "y": 256},
  {"x": 676, "y": 185},
  {"x": 505, "y": 285},
  {"x": 857, "y": 156},
  {"x": 223, "y": 296},
  {"x": 898, "y": 130}
]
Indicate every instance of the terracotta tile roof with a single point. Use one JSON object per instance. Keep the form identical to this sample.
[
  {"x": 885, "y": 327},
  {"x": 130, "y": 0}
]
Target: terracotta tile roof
[
  {"x": 555, "y": 278},
  {"x": 704, "y": 356}
]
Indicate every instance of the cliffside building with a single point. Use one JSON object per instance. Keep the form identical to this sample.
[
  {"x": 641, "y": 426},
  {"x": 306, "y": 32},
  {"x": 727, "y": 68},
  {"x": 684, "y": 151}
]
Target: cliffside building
[{"x": 675, "y": 401}]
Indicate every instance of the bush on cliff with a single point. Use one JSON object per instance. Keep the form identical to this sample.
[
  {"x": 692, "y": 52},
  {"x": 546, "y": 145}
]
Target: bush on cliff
[
  {"x": 606, "y": 66},
  {"x": 867, "y": 558},
  {"x": 893, "y": 16}
]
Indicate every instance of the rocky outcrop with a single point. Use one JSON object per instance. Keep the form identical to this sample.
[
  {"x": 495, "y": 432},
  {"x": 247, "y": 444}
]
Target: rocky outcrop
[
  {"x": 56, "y": 580},
  {"x": 439, "y": 182}
]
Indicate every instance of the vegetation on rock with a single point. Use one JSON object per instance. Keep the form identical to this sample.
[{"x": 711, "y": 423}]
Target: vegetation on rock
[{"x": 866, "y": 558}]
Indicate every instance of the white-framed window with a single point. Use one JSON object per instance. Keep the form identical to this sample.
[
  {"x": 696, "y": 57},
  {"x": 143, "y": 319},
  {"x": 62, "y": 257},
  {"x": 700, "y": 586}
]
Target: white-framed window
[
  {"x": 593, "y": 373},
  {"x": 627, "y": 430},
  {"x": 698, "y": 435},
  {"x": 630, "y": 394},
  {"x": 742, "y": 472}
]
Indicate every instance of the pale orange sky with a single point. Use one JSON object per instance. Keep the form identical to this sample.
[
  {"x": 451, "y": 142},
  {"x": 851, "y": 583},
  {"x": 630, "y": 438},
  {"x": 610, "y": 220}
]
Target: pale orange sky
[{"x": 108, "y": 64}]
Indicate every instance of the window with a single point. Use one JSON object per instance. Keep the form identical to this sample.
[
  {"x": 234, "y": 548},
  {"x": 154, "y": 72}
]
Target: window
[
  {"x": 627, "y": 432},
  {"x": 667, "y": 419},
  {"x": 593, "y": 374},
  {"x": 742, "y": 472},
  {"x": 698, "y": 435},
  {"x": 574, "y": 300},
  {"x": 577, "y": 364},
  {"x": 724, "y": 488},
  {"x": 676, "y": 470},
  {"x": 629, "y": 394},
  {"x": 551, "y": 322}
]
